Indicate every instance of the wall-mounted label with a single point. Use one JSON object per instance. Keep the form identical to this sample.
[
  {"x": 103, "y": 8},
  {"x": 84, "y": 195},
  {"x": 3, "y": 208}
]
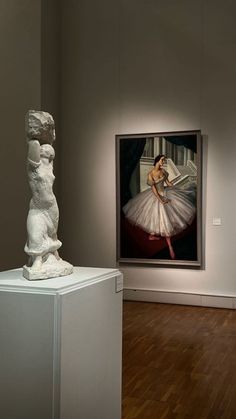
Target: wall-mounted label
[
  {"x": 119, "y": 283},
  {"x": 217, "y": 221}
]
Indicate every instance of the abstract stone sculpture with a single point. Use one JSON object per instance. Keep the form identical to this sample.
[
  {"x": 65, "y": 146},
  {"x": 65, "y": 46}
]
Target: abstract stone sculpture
[{"x": 42, "y": 222}]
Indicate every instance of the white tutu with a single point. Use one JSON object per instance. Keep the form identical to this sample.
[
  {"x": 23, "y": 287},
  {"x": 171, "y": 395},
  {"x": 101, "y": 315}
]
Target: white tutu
[{"x": 147, "y": 212}]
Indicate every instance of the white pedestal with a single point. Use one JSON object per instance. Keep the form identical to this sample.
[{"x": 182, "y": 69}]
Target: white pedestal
[{"x": 60, "y": 345}]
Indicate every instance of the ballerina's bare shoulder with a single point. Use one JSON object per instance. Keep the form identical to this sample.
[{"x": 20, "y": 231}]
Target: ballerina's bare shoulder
[{"x": 155, "y": 176}]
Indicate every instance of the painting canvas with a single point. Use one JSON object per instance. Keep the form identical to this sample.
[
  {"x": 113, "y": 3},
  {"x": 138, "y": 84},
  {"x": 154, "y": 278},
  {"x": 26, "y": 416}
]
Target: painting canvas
[{"x": 159, "y": 203}]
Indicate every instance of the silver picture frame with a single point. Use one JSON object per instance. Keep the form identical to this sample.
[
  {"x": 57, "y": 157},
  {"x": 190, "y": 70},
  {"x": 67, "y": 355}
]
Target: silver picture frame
[{"x": 135, "y": 154}]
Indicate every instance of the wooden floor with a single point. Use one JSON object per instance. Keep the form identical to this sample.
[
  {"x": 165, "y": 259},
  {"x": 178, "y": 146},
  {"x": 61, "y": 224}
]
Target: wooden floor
[{"x": 178, "y": 362}]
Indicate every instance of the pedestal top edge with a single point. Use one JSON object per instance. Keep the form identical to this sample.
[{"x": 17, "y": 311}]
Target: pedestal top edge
[{"x": 13, "y": 280}]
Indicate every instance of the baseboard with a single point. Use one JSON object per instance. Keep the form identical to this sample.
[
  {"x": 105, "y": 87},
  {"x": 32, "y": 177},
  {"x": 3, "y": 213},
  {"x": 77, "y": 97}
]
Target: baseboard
[{"x": 171, "y": 297}]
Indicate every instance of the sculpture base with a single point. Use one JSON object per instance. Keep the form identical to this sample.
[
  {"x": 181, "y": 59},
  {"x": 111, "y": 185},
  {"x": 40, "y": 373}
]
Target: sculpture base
[
  {"x": 52, "y": 268},
  {"x": 60, "y": 350}
]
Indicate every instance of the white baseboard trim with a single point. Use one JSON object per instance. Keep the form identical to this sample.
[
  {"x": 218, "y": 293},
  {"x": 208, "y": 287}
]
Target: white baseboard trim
[{"x": 172, "y": 297}]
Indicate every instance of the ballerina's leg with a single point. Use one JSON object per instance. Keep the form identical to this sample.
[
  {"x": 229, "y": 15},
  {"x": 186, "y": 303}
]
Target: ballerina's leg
[{"x": 171, "y": 250}]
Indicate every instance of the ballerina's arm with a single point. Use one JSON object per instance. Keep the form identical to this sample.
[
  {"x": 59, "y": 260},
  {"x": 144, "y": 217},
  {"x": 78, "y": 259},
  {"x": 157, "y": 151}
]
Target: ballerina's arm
[{"x": 168, "y": 182}]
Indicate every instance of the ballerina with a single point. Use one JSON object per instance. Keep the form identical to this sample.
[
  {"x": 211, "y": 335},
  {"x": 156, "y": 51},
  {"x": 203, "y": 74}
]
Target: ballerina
[
  {"x": 162, "y": 211},
  {"x": 42, "y": 221}
]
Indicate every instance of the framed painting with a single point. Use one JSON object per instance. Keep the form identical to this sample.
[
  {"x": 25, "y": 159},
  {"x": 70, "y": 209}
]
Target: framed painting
[{"x": 159, "y": 198}]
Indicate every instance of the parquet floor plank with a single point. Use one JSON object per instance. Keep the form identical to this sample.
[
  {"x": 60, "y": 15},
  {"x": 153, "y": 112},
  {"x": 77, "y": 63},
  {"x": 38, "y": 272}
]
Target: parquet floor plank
[{"x": 179, "y": 362}]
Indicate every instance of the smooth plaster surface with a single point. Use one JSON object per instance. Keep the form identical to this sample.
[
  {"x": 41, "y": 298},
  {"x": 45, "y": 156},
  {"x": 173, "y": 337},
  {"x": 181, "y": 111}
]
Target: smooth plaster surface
[
  {"x": 147, "y": 66},
  {"x": 29, "y": 79},
  {"x": 20, "y": 73},
  {"x": 61, "y": 344},
  {"x": 125, "y": 67}
]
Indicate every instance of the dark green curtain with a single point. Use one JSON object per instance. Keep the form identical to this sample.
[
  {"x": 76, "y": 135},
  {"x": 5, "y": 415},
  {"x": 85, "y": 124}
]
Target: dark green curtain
[
  {"x": 188, "y": 141},
  {"x": 130, "y": 154}
]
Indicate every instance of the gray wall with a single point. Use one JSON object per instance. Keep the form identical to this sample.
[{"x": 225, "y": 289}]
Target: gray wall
[
  {"x": 126, "y": 67},
  {"x": 29, "y": 79},
  {"x": 139, "y": 66},
  {"x": 20, "y": 73},
  {"x": 89, "y": 122},
  {"x": 50, "y": 53},
  {"x": 50, "y": 71}
]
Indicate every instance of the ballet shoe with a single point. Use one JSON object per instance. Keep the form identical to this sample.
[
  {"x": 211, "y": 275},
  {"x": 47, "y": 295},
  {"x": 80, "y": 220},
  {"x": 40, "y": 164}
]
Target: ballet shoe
[
  {"x": 172, "y": 254},
  {"x": 153, "y": 237}
]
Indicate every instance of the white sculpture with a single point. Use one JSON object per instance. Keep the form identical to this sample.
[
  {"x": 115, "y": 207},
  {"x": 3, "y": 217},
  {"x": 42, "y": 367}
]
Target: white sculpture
[{"x": 42, "y": 222}]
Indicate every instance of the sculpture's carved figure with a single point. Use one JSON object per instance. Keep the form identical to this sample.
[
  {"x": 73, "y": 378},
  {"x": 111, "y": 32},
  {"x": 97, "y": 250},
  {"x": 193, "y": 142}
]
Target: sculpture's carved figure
[{"x": 42, "y": 222}]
